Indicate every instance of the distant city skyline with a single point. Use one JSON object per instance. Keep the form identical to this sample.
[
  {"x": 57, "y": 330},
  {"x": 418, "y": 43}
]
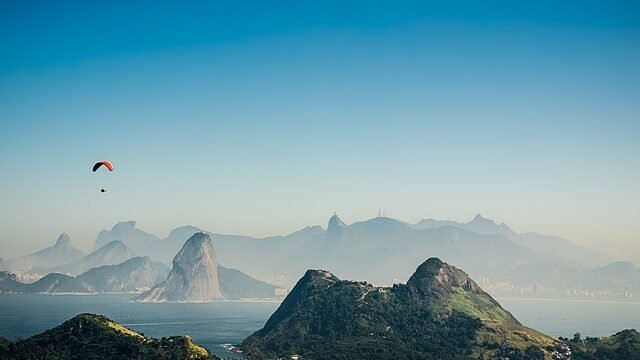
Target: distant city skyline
[{"x": 261, "y": 119}]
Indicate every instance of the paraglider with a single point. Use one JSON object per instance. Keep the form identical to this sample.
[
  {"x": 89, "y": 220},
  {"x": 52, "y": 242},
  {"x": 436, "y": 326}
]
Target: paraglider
[
  {"x": 106, "y": 164},
  {"x": 100, "y": 164}
]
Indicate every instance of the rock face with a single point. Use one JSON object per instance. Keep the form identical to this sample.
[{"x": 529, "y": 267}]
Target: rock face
[
  {"x": 194, "y": 276},
  {"x": 60, "y": 253},
  {"x": 440, "y": 313}
]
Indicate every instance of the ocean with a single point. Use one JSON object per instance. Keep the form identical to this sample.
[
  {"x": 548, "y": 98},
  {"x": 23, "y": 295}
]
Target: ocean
[{"x": 214, "y": 324}]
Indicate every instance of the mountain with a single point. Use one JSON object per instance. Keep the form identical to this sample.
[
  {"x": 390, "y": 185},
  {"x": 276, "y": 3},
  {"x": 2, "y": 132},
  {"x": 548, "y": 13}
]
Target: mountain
[
  {"x": 237, "y": 285},
  {"x": 382, "y": 249},
  {"x": 581, "y": 255},
  {"x": 479, "y": 225},
  {"x": 130, "y": 276},
  {"x": 335, "y": 228},
  {"x": 621, "y": 277},
  {"x": 126, "y": 232},
  {"x": 439, "y": 314},
  {"x": 624, "y": 345},
  {"x": 62, "y": 252},
  {"x": 385, "y": 250},
  {"x": 51, "y": 284},
  {"x": 112, "y": 253},
  {"x": 544, "y": 244},
  {"x": 167, "y": 248},
  {"x": 89, "y": 336},
  {"x": 193, "y": 277},
  {"x": 379, "y": 249}
]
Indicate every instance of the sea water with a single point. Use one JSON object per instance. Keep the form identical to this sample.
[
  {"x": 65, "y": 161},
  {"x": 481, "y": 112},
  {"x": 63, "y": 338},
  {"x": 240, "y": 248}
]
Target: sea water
[
  {"x": 214, "y": 324},
  {"x": 209, "y": 324}
]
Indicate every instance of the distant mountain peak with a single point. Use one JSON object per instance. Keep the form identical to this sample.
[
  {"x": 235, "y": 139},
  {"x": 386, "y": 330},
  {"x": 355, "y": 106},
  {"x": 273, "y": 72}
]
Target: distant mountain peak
[
  {"x": 63, "y": 241},
  {"x": 335, "y": 228},
  {"x": 185, "y": 229},
  {"x": 124, "y": 225},
  {"x": 335, "y": 221},
  {"x": 480, "y": 218}
]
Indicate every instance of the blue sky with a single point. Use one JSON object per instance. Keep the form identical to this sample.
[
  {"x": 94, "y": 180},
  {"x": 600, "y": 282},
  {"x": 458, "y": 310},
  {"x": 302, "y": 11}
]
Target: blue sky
[{"x": 261, "y": 118}]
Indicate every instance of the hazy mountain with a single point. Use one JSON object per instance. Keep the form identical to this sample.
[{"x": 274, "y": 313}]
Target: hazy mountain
[
  {"x": 479, "y": 225},
  {"x": 126, "y": 232},
  {"x": 112, "y": 253},
  {"x": 378, "y": 249},
  {"x": 387, "y": 249},
  {"x": 62, "y": 252},
  {"x": 618, "y": 277},
  {"x": 336, "y": 228},
  {"x": 167, "y": 248},
  {"x": 439, "y": 313},
  {"x": 193, "y": 277},
  {"x": 536, "y": 242},
  {"x": 562, "y": 247},
  {"x": 130, "y": 276},
  {"x": 51, "y": 284},
  {"x": 381, "y": 249},
  {"x": 88, "y": 336},
  {"x": 237, "y": 285},
  {"x": 277, "y": 260}
]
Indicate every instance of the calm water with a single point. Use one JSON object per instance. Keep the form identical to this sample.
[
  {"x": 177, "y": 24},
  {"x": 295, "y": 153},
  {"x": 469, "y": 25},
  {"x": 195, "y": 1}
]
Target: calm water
[
  {"x": 566, "y": 317},
  {"x": 212, "y": 324},
  {"x": 209, "y": 324}
]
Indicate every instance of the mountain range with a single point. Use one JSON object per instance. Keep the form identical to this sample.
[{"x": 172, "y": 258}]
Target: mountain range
[
  {"x": 130, "y": 276},
  {"x": 194, "y": 277},
  {"x": 112, "y": 253},
  {"x": 382, "y": 250},
  {"x": 482, "y": 246}
]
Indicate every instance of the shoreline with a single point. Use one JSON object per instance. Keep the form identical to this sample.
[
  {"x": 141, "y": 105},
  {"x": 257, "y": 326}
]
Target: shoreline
[{"x": 603, "y": 301}]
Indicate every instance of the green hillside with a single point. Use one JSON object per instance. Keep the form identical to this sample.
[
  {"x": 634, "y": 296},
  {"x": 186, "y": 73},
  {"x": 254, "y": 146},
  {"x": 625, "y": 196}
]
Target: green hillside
[
  {"x": 89, "y": 336},
  {"x": 439, "y": 314}
]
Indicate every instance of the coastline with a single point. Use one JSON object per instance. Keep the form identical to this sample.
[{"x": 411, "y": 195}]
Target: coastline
[{"x": 568, "y": 300}]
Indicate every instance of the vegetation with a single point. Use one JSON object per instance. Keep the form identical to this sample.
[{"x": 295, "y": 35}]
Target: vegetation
[
  {"x": 624, "y": 345},
  {"x": 439, "y": 314},
  {"x": 89, "y": 336}
]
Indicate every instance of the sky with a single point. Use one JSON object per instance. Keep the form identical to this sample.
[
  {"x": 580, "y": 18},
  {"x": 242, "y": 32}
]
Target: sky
[{"x": 261, "y": 118}]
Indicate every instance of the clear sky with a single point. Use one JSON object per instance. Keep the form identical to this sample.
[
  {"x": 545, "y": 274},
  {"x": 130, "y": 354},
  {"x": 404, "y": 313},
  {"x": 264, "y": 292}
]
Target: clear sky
[{"x": 261, "y": 118}]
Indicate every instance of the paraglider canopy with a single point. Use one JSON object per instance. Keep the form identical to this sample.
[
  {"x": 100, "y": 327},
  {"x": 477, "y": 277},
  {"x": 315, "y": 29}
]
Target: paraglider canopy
[{"x": 106, "y": 164}]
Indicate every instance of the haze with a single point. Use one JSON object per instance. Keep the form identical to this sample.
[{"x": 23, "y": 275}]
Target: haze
[{"x": 263, "y": 119}]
